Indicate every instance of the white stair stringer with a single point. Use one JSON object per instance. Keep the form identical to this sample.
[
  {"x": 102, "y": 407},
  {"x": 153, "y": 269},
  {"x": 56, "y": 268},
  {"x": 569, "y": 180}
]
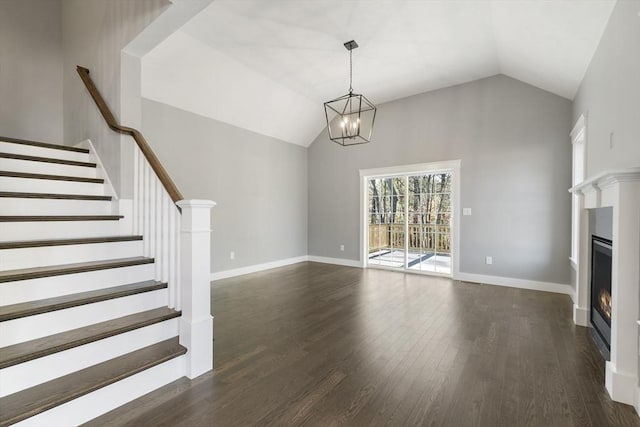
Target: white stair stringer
[
  {"x": 31, "y": 166},
  {"x": 45, "y": 230},
  {"x": 158, "y": 358},
  {"x": 34, "y": 185},
  {"x": 41, "y": 325},
  {"x": 28, "y": 374},
  {"x": 105, "y": 399},
  {"x": 20, "y": 291},
  {"x": 51, "y": 206},
  {"x": 11, "y": 259},
  {"x": 31, "y": 150}
]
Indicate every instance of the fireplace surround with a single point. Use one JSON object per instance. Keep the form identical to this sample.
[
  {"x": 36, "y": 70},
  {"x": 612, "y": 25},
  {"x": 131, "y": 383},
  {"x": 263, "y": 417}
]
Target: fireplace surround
[{"x": 619, "y": 189}]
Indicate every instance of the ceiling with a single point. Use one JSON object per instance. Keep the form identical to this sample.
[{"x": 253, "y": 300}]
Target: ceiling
[{"x": 267, "y": 66}]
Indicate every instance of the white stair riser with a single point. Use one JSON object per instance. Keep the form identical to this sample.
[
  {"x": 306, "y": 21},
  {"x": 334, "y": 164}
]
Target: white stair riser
[
  {"x": 29, "y": 185},
  {"x": 11, "y": 259},
  {"x": 37, "y": 371},
  {"x": 29, "y": 150},
  {"x": 44, "y": 230},
  {"x": 28, "y": 206},
  {"x": 48, "y": 287},
  {"x": 101, "y": 401},
  {"x": 41, "y": 325},
  {"x": 28, "y": 166}
]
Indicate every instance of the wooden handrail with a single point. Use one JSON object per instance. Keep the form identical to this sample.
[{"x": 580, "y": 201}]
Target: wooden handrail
[{"x": 162, "y": 174}]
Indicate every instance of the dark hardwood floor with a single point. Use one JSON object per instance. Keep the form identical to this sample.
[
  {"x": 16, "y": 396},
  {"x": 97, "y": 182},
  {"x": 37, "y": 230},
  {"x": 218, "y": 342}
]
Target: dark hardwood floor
[{"x": 321, "y": 345}]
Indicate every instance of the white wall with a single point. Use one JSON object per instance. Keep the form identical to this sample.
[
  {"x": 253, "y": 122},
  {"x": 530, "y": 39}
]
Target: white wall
[
  {"x": 514, "y": 143},
  {"x": 31, "y": 70},
  {"x": 259, "y": 183},
  {"x": 93, "y": 35},
  {"x": 609, "y": 95}
]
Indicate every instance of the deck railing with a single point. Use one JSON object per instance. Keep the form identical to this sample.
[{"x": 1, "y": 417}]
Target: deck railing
[{"x": 421, "y": 237}]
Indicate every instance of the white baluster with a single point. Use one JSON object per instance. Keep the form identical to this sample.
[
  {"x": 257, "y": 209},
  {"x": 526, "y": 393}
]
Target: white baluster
[
  {"x": 140, "y": 173},
  {"x": 166, "y": 206},
  {"x": 178, "y": 263},
  {"x": 136, "y": 193},
  {"x": 147, "y": 210},
  {"x": 172, "y": 256},
  {"x": 158, "y": 208}
]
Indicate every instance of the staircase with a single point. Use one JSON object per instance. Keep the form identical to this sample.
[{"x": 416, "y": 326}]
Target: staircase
[{"x": 84, "y": 325}]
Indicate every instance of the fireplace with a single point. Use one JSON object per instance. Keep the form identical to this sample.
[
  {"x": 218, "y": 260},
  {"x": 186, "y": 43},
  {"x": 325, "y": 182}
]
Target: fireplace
[
  {"x": 614, "y": 263},
  {"x": 601, "y": 293}
]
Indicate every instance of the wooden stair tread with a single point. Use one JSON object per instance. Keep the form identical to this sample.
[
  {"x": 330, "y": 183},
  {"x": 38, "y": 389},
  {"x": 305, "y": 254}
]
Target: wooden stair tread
[
  {"x": 46, "y": 160},
  {"x": 32, "y": 401},
  {"x": 43, "y": 144},
  {"x": 50, "y": 177},
  {"x": 41, "y": 218},
  {"x": 16, "y": 311},
  {"x": 81, "y": 267},
  {"x": 34, "y": 349},
  {"x": 20, "y": 195},
  {"x": 66, "y": 242}
]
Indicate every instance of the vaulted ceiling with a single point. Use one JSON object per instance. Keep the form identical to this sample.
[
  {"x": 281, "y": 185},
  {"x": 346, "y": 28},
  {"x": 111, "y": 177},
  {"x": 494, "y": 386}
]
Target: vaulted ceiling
[{"x": 267, "y": 66}]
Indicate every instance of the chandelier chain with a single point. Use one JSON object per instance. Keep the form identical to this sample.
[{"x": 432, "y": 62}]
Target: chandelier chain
[{"x": 350, "y": 71}]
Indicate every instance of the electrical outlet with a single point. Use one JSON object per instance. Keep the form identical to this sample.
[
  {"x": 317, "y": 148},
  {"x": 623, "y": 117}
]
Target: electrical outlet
[
  {"x": 232, "y": 255},
  {"x": 466, "y": 211},
  {"x": 342, "y": 248},
  {"x": 489, "y": 260}
]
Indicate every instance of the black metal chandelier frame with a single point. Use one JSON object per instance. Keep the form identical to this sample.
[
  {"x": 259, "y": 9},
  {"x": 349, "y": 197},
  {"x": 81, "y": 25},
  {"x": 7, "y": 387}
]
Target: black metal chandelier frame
[{"x": 348, "y": 110}]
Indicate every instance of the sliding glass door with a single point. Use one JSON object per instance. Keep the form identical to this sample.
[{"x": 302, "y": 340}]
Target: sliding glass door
[
  {"x": 409, "y": 222},
  {"x": 387, "y": 243},
  {"x": 429, "y": 214}
]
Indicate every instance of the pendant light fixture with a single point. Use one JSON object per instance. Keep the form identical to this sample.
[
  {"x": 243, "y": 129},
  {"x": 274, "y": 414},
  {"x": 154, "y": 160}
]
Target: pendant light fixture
[{"x": 350, "y": 117}]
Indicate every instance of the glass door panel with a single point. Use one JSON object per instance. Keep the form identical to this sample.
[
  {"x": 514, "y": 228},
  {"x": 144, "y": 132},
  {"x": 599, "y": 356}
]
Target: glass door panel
[{"x": 386, "y": 222}]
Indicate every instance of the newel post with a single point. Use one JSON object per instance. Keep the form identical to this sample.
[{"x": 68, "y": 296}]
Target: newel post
[{"x": 196, "y": 323}]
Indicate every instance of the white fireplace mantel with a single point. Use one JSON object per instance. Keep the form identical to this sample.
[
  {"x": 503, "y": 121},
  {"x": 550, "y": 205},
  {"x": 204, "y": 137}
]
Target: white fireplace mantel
[{"x": 619, "y": 189}]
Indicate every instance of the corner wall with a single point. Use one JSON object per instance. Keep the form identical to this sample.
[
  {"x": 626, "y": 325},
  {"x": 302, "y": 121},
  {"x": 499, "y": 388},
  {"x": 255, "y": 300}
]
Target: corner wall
[
  {"x": 94, "y": 32},
  {"x": 259, "y": 184},
  {"x": 31, "y": 70},
  {"x": 609, "y": 95},
  {"x": 514, "y": 143}
]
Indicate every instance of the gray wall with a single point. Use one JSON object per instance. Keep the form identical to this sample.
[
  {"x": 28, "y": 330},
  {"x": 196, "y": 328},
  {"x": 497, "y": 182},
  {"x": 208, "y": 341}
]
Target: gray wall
[
  {"x": 31, "y": 70},
  {"x": 514, "y": 143},
  {"x": 93, "y": 35},
  {"x": 610, "y": 93},
  {"x": 259, "y": 183}
]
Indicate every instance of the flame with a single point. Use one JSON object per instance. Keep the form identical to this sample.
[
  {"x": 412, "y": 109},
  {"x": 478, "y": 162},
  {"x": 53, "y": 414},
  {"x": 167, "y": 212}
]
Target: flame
[{"x": 605, "y": 303}]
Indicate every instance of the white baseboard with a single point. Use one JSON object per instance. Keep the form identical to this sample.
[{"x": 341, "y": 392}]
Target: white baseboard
[
  {"x": 580, "y": 316},
  {"x": 466, "y": 277},
  {"x": 336, "y": 261},
  {"x": 620, "y": 385},
  {"x": 255, "y": 268},
  {"x": 281, "y": 263},
  {"x": 558, "y": 288}
]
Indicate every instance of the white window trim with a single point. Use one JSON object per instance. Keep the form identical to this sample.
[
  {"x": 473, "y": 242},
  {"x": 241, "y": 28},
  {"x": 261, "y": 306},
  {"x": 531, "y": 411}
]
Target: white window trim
[
  {"x": 579, "y": 153},
  {"x": 452, "y": 166}
]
